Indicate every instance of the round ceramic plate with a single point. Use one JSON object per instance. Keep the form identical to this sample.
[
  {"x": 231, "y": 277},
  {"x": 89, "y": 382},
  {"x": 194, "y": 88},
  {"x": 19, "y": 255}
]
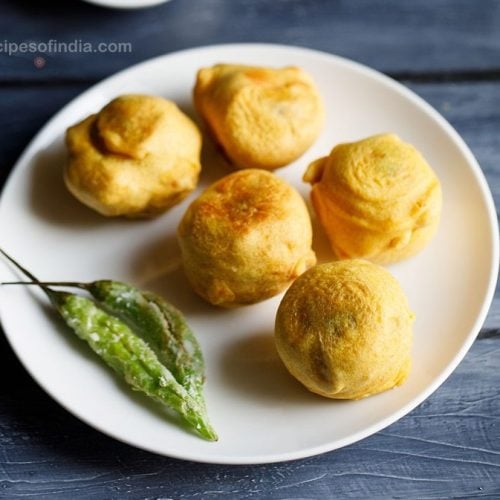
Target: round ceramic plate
[
  {"x": 127, "y": 4},
  {"x": 260, "y": 412}
]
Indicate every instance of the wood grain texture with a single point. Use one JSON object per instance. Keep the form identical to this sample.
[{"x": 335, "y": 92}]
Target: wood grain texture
[
  {"x": 450, "y": 36},
  {"x": 448, "y": 51}
]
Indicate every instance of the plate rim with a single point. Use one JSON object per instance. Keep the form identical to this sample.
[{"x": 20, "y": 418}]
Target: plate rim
[{"x": 423, "y": 394}]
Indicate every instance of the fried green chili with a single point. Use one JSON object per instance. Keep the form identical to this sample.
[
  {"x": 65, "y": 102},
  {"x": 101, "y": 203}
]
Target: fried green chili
[
  {"x": 161, "y": 325},
  {"x": 157, "y": 322},
  {"x": 129, "y": 356},
  {"x": 164, "y": 361}
]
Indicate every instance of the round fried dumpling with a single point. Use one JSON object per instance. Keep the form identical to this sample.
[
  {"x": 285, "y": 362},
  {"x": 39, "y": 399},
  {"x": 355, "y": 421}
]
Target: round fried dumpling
[
  {"x": 344, "y": 330},
  {"x": 262, "y": 117},
  {"x": 377, "y": 199},
  {"x": 245, "y": 238},
  {"x": 137, "y": 157}
]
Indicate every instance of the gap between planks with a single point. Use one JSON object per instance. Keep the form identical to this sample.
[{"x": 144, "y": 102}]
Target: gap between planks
[{"x": 462, "y": 76}]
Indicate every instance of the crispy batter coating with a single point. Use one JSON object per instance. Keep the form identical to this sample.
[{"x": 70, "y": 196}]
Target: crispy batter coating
[
  {"x": 376, "y": 198},
  {"x": 262, "y": 117},
  {"x": 344, "y": 330},
  {"x": 137, "y": 157},
  {"x": 245, "y": 238}
]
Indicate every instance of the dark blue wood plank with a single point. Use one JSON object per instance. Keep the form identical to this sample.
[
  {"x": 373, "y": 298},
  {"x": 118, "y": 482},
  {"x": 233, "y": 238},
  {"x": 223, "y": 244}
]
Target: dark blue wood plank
[{"x": 391, "y": 35}]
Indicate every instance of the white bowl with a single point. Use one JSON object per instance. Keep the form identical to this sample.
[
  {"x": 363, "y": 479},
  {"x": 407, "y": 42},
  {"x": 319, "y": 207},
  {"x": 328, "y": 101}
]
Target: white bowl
[{"x": 126, "y": 4}]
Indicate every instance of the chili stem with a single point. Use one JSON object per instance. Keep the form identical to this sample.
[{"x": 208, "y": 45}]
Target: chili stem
[
  {"x": 51, "y": 294},
  {"x": 69, "y": 284}
]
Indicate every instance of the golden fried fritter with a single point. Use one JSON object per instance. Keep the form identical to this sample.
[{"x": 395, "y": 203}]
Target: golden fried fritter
[
  {"x": 376, "y": 198},
  {"x": 245, "y": 238},
  {"x": 137, "y": 157},
  {"x": 262, "y": 117},
  {"x": 344, "y": 330}
]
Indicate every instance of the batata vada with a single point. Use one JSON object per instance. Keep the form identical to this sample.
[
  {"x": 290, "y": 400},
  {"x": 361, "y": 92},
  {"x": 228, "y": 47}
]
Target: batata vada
[
  {"x": 377, "y": 199},
  {"x": 262, "y": 117},
  {"x": 344, "y": 330},
  {"x": 245, "y": 238},
  {"x": 137, "y": 157}
]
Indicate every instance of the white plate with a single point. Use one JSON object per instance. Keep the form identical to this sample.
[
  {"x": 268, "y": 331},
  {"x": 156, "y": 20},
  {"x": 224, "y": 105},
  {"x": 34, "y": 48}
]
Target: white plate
[
  {"x": 260, "y": 412},
  {"x": 126, "y": 4}
]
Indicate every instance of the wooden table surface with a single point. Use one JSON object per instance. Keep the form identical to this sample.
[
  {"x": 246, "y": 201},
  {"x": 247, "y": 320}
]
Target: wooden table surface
[{"x": 448, "y": 52}]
